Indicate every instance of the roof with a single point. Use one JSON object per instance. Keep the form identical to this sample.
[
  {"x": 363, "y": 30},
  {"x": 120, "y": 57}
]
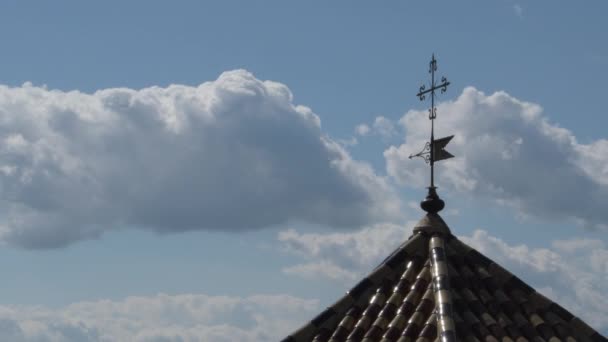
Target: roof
[{"x": 436, "y": 287}]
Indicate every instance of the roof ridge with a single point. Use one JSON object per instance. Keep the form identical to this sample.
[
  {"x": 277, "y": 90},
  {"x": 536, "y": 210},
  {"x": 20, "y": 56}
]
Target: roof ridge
[{"x": 441, "y": 289}]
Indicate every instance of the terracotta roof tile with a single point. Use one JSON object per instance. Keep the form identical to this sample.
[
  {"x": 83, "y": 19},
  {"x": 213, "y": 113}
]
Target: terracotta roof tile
[{"x": 435, "y": 287}]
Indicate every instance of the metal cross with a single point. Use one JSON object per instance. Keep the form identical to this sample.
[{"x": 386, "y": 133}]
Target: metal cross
[{"x": 434, "y": 150}]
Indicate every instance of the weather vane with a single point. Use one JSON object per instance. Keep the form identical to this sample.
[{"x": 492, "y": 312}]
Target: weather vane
[{"x": 434, "y": 150}]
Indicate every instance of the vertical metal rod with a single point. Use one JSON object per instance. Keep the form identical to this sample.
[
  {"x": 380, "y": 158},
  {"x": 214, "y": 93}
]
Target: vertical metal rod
[
  {"x": 428, "y": 153},
  {"x": 432, "y": 121}
]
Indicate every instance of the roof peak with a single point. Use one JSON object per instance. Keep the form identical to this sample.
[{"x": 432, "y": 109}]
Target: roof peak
[{"x": 432, "y": 224}]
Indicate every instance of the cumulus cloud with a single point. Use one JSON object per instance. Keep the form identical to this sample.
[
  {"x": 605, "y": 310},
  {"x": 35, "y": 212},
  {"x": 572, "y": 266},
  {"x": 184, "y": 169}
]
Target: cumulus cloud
[
  {"x": 507, "y": 150},
  {"x": 383, "y": 127},
  {"x": 232, "y": 154},
  {"x": 342, "y": 256},
  {"x": 179, "y": 318}
]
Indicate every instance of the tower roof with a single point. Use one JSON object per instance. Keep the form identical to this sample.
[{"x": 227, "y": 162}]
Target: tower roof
[{"x": 436, "y": 287}]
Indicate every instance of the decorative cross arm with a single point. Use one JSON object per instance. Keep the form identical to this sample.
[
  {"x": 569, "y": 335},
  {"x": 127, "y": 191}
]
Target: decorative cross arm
[{"x": 443, "y": 86}]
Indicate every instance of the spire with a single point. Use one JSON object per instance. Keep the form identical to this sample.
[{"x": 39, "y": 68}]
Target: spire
[
  {"x": 434, "y": 287},
  {"x": 434, "y": 150}
]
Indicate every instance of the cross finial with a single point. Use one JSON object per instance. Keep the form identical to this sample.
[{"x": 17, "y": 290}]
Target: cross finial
[{"x": 434, "y": 149}]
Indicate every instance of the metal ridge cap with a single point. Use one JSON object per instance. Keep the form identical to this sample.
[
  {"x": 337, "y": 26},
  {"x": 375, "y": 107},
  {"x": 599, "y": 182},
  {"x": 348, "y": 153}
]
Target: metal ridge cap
[
  {"x": 431, "y": 224},
  {"x": 446, "y": 328}
]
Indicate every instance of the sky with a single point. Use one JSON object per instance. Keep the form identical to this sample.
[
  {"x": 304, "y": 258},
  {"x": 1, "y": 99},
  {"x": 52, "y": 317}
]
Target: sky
[{"x": 220, "y": 171}]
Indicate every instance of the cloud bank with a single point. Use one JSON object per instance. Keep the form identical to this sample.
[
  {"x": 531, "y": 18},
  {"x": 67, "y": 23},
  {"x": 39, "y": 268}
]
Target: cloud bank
[
  {"x": 179, "y": 318},
  {"x": 232, "y": 154},
  {"x": 341, "y": 256},
  {"x": 507, "y": 150}
]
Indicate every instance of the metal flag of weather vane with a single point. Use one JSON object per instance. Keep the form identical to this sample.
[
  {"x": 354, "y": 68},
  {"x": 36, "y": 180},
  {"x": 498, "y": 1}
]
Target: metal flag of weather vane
[{"x": 434, "y": 150}]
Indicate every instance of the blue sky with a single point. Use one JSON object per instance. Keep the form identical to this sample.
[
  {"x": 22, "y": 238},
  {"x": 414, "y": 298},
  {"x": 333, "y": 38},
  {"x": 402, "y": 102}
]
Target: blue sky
[{"x": 226, "y": 200}]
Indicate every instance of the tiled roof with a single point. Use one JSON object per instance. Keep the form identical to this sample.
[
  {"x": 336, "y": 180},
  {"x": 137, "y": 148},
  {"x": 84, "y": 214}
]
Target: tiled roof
[{"x": 436, "y": 287}]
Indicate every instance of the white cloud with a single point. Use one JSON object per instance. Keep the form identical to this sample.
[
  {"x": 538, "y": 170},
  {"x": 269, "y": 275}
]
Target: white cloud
[
  {"x": 506, "y": 149},
  {"x": 231, "y": 154},
  {"x": 362, "y": 129},
  {"x": 519, "y": 11},
  {"x": 352, "y": 141},
  {"x": 383, "y": 127},
  {"x": 179, "y": 318},
  {"x": 342, "y": 256},
  {"x": 321, "y": 269}
]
